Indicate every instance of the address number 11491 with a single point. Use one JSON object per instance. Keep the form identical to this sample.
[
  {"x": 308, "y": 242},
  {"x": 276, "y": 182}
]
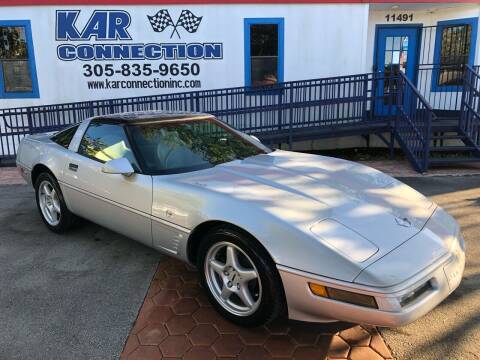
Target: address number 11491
[{"x": 399, "y": 17}]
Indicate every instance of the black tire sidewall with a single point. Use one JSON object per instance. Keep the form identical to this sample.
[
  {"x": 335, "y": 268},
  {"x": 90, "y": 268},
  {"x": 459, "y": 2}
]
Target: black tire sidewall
[
  {"x": 272, "y": 302},
  {"x": 65, "y": 215}
]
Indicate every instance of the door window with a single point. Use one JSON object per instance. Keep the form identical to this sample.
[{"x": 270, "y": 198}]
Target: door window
[
  {"x": 104, "y": 142},
  {"x": 396, "y": 55}
]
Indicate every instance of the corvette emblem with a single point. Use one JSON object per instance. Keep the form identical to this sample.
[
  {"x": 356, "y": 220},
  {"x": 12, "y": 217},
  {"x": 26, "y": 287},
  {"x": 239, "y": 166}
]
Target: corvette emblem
[{"x": 403, "y": 222}]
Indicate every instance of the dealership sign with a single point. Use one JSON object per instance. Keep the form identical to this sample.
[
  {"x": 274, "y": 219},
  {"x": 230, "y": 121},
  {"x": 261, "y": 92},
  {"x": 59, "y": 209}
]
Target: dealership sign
[
  {"x": 108, "y": 25},
  {"x": 87, "y": 52},
  {"x": 112, "y": 59}
]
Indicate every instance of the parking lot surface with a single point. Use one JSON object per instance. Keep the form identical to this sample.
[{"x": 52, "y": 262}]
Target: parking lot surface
[
  {"x": 73, "y": 296},
  {"x": 452, "y": 330},
  {"x": 78, "y": 296}
]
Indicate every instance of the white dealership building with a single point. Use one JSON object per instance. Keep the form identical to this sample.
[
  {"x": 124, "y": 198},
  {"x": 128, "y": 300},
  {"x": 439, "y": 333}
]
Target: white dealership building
[
  {"x": 54, "y": 53},
  {"x": 89, "y": 57}
]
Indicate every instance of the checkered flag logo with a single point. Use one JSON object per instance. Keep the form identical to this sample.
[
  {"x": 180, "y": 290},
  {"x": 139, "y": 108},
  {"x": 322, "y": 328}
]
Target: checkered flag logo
[
  {"x": 189, "y": 21},
  {"x": 161, "y": 20}
]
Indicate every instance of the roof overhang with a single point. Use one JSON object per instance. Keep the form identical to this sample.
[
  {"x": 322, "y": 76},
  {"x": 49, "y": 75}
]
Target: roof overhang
[
  {"x": 429, "y": 6},
  {"x": 202, "y": 2}
]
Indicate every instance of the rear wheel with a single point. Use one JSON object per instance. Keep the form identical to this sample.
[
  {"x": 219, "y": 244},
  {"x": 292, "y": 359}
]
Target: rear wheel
[
  {"x": 51, "y": 204},
  {"x": 241, "y": 279}
]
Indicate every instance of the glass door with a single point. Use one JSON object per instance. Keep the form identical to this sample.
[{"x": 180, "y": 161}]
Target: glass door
[{"x": 396, "y": 50}]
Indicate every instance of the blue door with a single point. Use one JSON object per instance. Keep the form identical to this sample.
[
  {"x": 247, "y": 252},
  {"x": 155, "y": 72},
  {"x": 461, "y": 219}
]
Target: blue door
[{"x": 396, "y": 50}]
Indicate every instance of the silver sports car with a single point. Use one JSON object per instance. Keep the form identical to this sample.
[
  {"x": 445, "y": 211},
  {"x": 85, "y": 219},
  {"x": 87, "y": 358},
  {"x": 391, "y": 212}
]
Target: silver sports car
[{"x": 273, "y": 233}]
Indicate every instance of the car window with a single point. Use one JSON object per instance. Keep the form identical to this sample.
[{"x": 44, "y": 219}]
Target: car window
[
  {"x": 64, "y": 137},
  {"x": 182, "y": 146},
  {"x": 104, "y": 142}
]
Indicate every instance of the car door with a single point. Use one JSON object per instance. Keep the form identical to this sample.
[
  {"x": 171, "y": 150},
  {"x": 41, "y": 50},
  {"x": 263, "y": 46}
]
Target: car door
[
  {"x": 121, "y": 203},
  {"x": 164, "y": 148}
]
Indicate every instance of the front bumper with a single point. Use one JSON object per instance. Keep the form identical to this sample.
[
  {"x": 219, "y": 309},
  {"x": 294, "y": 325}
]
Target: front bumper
[{"x": 442, "y": 278}]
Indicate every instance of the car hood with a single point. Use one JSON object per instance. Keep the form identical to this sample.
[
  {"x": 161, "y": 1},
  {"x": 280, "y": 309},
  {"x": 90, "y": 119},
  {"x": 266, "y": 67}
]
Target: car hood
[{"x": 351, "y": 208}]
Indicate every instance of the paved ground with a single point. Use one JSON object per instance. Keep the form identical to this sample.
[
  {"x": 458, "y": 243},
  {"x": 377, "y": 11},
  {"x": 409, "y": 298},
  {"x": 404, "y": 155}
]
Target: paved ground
[
  {"x": 402, "y": 168},
  {"x": 65, "y": 297},
  {"x": 10, "y": 176},
  {"x": 452, "y": 330},
  {"x": 77, "y": 296},
  {"x": 176, "y": 320},
  {"x": 37, "y": 269}
]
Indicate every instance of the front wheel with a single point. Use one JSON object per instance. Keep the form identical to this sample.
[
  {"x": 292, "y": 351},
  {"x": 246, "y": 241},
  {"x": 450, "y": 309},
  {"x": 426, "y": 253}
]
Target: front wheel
[{"x": 241, "y": 279}]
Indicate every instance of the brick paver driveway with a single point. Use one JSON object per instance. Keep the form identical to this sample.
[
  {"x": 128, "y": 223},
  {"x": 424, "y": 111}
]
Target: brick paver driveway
[
  {"x": 176, "y": 320},
  {"x": 451, "y": 331}
]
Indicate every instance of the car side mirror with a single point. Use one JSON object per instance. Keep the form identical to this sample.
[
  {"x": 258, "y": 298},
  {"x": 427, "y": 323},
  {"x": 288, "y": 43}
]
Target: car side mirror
[{"x": 118, "y": 166}]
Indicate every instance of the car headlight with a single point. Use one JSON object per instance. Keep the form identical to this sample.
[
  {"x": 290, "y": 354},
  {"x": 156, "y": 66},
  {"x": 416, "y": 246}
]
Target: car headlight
[{"x": 343, "y": 295}]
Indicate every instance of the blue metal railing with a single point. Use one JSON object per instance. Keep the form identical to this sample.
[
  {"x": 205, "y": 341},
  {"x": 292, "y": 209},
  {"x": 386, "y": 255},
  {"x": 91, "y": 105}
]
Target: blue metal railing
[
  {"x": 413, "y": 124},
  {"x": 278, "y": 112},
  {"x": 282, "y": 113},
  {"x": 470, "y": 112}
]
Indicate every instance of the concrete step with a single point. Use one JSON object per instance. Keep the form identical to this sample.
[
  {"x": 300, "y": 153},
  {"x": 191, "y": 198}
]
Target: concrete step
[
  {"x": 452, "y": 148},
  {"x": 439, "y": 127},
  {"x": 448, "y": 118},
  {"x": 442, "y": 124},
  {"x": 453, "y": 160},
  {"x": 448, "y": 137}
]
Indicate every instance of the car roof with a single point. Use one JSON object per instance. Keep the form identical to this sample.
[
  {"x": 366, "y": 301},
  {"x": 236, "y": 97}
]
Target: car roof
[{"x": 147, "y": 116}]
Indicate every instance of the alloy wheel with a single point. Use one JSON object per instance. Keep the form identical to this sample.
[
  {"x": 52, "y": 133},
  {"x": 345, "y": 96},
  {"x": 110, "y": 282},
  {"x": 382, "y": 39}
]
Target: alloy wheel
[
  {"x": 233, "y": 279},
  {"x": 49, "y": 203}
]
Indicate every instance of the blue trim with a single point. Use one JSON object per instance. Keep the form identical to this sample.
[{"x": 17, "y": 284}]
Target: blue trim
[
  {"x": 281, "y": 31},
  {"x": 35, "y": 93},
  {"x": 438, "y": 48}
]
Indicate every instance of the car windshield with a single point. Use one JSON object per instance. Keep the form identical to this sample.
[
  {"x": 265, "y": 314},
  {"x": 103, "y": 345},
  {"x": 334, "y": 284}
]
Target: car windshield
[{"x": 188, "y": 145}]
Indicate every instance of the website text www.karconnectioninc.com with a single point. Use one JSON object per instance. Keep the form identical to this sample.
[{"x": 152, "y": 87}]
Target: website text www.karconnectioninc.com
[{"x": 107, "y": 84}]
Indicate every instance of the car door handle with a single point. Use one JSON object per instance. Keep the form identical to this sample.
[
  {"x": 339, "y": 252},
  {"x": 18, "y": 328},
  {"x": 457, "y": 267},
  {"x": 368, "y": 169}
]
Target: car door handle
[{"x": 72, "y": 167}]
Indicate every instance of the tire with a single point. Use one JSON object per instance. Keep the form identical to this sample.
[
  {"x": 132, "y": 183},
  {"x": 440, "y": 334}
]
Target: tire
[
  {"x": 226, "y": 287},
  {"x": 52, "y": 208}
]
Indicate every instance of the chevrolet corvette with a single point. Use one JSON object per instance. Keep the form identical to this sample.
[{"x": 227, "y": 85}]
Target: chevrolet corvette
[{"x": 272, "y": 233}]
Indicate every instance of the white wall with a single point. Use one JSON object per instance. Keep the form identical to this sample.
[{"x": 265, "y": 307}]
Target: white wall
[
  {"x": 428, "y": 17},
  {"x": 423, "y": 17},
  {"x": 320, "y": 41}
]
